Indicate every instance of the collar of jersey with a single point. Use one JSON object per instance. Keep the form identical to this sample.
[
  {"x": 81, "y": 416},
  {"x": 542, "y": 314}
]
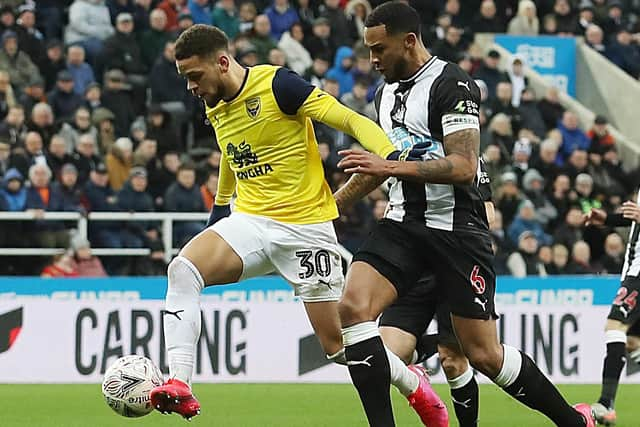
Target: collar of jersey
[
  {"x": 420, "y": 72},
  {"x": 244, "y": 82}
]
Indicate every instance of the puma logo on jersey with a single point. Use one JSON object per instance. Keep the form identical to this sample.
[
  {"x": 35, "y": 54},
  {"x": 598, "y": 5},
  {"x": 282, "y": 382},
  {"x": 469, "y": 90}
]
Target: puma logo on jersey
[
  {"x": 360, "y": 362},
  {"x": 465, "y": 404},
  {"x": 465, "y": 85},
  {"x": 480, "y": 303}
]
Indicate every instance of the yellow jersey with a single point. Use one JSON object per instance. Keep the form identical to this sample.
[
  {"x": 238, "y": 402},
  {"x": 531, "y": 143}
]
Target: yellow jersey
[{"x": 270, "y": 155}]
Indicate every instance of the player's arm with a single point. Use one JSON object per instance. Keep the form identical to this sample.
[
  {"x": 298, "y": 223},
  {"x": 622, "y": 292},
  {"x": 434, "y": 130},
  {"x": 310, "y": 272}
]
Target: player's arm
[
  {"x": 226, "y": 187},
  {"x": 358, "y": 186},
  {"x": 629, "y": 212}
]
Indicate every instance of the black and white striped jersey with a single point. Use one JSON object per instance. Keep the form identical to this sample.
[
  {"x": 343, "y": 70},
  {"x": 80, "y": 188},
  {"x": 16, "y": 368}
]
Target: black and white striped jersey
[
  {"x": 439, "y": 99},
  {"x": 631, "y": 265}
]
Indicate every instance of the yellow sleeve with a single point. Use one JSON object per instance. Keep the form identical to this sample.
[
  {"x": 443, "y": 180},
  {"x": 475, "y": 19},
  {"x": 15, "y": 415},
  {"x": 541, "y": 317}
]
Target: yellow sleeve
[
  {"x": 324, "y": 108},
  {"x": 226, "y": 182}
]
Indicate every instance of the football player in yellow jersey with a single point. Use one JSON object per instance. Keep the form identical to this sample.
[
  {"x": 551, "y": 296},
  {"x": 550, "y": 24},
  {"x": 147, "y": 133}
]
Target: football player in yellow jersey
[{"x": 282, "y": 216}]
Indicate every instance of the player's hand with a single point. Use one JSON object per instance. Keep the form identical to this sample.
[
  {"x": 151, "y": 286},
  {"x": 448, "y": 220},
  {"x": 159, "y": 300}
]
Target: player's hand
[
  {"x": 359, "y": 161},
  {"x": 595, "y": 217},
  {"x": 217, "y": 213},
  {"x": 414, "y": 153},
  {"x": 630, "y": 210}
]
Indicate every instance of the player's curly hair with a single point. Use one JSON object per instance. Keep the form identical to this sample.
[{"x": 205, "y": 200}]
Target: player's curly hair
[
  {"x": 200, "y": 40},
  {"x": 396, "y": 16}
]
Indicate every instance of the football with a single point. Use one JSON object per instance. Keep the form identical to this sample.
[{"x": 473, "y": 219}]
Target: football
[{"x": 127, "y": 384}]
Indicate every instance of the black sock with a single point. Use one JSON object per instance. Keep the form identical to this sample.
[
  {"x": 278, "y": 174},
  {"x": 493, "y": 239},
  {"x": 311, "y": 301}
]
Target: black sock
[
  {"x": 426, "y": 347},
  {"x": 371, "y": 374},
  {"x": 465, "y": 403},
  {"x": 532, "y": 388},
  {"x": 613, "y": 365}
]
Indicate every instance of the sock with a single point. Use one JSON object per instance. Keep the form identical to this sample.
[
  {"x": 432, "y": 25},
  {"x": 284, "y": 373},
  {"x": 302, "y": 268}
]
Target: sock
[
  {"x": 613, "y": 364},
  {"x": 405, "y": 380},
  {"x": 426, "y": 347},
  {"x": 634, "y": 356},
  {"x": 370, "y": 371},
  {"x": 182, "y": 317},
  {"x": 522, "y": 379},
  {"x": 464, "y": 394},
  {"x": 338, "y": 357}
]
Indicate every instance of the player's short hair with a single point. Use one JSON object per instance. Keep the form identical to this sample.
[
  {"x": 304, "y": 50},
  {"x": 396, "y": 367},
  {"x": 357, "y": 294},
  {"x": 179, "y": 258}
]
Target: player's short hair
[
  {"x": 200, "y": 40},
  {"x": 397, "y": 17}
]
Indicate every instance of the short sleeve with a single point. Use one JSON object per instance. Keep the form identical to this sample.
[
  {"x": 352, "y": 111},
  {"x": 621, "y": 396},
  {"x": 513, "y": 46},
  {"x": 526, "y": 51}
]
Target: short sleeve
[
  {"x": 457, "y": 100},
  {"x": 290, "y": 90}
]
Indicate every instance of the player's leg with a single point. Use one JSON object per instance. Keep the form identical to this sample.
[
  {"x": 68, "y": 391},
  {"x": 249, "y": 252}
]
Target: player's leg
[
  {"x": 470, "y": 291},
  {"x": 326, "y": 325},
  {"x": 622, "y": 315}
]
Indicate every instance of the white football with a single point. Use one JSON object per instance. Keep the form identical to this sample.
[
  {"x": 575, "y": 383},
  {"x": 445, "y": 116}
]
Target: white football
[{"x": 127, "y": 384}]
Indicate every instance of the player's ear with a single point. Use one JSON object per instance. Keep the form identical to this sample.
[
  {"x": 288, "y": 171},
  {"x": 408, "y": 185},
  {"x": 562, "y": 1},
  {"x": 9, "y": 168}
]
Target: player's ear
[
  {"x": 410, "y": 40},
  {"x": 224, "y": 62}
]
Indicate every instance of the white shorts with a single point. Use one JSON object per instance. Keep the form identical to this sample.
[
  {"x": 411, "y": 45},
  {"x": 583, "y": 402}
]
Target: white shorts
[{"x": 305, "y": 255}]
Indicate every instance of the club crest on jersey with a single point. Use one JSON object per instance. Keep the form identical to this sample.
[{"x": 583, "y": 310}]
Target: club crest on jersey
[{"x": 253, "y": 106}]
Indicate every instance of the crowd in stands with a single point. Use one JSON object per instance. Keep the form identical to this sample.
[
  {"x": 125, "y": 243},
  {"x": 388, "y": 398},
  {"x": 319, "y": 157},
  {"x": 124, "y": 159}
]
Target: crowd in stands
[{"x": 94, "y": 117}]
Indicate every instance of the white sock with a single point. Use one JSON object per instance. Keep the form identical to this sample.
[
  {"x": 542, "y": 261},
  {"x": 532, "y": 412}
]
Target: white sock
[
  {"x": 511, "y": 364},
  {"x": 462, "y": 380},
  {"x": 182, "y": 317},
  {"x": 404, "y": 379}
]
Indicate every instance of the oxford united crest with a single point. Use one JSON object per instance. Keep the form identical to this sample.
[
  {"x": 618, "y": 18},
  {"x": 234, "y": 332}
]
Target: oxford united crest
[{"x": 253, "y": 106}]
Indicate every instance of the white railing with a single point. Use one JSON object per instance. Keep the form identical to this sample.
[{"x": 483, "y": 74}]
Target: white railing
[{"x": 82, "y": 221}]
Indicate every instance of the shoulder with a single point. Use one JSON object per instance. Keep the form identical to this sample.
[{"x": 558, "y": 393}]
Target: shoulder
[{"x": 290, "y": 90}]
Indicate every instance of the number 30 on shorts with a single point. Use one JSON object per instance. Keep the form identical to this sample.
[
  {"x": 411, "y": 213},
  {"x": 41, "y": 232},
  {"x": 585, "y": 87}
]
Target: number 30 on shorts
[{"x": 312, "y": 262}]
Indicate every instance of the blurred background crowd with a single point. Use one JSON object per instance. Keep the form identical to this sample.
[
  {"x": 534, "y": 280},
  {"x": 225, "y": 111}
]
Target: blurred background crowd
[{"x": 93, "y": 117}]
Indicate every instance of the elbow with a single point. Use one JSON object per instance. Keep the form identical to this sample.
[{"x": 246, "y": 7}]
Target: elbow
[{"x": 467, "y": 176}]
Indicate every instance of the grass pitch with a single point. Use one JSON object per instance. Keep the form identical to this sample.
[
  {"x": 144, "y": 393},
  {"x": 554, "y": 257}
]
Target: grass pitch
[{"x": 266, "y": 405}]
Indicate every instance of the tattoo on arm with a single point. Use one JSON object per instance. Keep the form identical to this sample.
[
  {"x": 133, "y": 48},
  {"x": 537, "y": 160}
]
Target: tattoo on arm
[
  {"x": 356, "y": 188},
  {"x": 457, "y": 167}
]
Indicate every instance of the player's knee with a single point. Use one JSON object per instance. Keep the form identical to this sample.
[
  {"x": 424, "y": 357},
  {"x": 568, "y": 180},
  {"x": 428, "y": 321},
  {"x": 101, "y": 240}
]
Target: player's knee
[
  {"x": 486, "y": 360},
  {"x": 183, "y": 276},
  {"x": 454, "y": 365},
  {"x": 354, "y": 310}
]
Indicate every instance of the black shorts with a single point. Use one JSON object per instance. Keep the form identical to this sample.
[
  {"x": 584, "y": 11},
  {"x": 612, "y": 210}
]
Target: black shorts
[
  {"x": 624, "y": 307},
  {"x": 414, "y": 311},
  {"x": 460, "y": 261}
]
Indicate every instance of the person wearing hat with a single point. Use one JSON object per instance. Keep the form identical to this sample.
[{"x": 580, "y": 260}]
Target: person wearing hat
[
  {"x": 16, "y": 62},
  {"x": 69, "y": 188},
  {"x": 134, "y": 197},
  {"x": 117, "y": 97},
  {"x": 490, "y": 74},
  {"x": 320, "y": 43},
  {"x": 122, "y": 50},
  {"x": 509, "y": 197},
  {"x": 86, "y": 264},
  {"x": 30, "y": 39},
  {"x": 118, "y": 162},
  {"x": 524, "y": 261},
  {"x": 601, "y": 139},
  {"x": 586, "y": 16},
  {"x": 53, "y": 63},
  {"x": 89, "y": 24},
  {"x": 63, "y": 100}
]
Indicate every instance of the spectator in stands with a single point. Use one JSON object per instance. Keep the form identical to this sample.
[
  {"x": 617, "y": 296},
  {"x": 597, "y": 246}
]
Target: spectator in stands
[
  {"x": 533, "y": 185},
  {"x": 526, "y": 221},
  {"x": 545, "y": 161},
  {"x": 81, "y": 72},
  {"x": 562, "y": 196},
  {"x": 320, "y": 43},
  {"x": 277, "y": 58},
  {"x": 32, "y": 153},
  {"x": 601, "y": 139},
  {"x": 488, "y": 20},
  {"x": 225, "y": 17},
  {"x": 586, "y": 196},
  {"x": 451, "y": 47},
  {"x": 7, "y": 97},
  {"x": 100, "y": 197},
  {"x": 613, "y": 259},
  {"x": 519, "y": 81},
  {"x": 85, "y": 157},
  {"x": 578, "y": 163},
  {"x": 160, "y": 129},
  {"x": 57, "y": 156},
  {"x": 145, "y": 155},
  {"x": 501, "y": 135},
  {"x": 86, "y": 264},
  {"x": 153, "y": 40},
  {"x": 209, "y": 189},
  {"x": 494, "y": 166},
  {"x": 357, "y": 12},
  {"x": 594, "y": 37},
  {"x": 165, "y": 83},
  {"x": 606, "y": 180},
  {"x": 362, "y": 69},
  {"x": 117, "y": 98},
  {"x": 63, "y": 100},
  {"x": 32, "y": 94},
  {"x": 357, "y": 99},
  {"x": 261, "y": 38},
  {"x": 352, "y": 225},
  {"x": 209, "y": 165},
  {"x": 565, "y": 17},
  {"x": 247, "y": 14},
  {"x": 524, "y": 261},
  {"x": 521, "y": 154},
  {"x": 342, "y": 31},
  {"x": 581, "y": 259},
  {"x": 121, "y": 50},
  {"x": 185, "y": 20},
  {"x": 573, "y": 138},
  {"x": 550, "y": 108},
  {"x": 118, "y": 162},
  {"x": 80, "y": 125},
  {"x": 290, "y": 43},
  {"x": 525, "y": 23},
  {"x": 30, "y": 39},
  {"x": 530, "y": 114},
  {"x": 153, "y": 265},
  {"x": 12, "y": 128},
  {"x": 508, "y": 197},
  {"x": 184, "y": 196},
  {"x": 625, "y": 53},
  {"x": 103, "y": 120},
  {"x": 586, "y": 16},
  {"x": 42, "y": 196},
  {"x": 172, "y": 9},
  {"x": 490, "y": 74},
  {"x": 5, "y": 157},
  {"x": 502, "y": 104},
  {"x": 316, "y": 73},
  {"x": 200, "y": 11},
  {"x": 560, "y": 260},
  {"x": 281, "y": 17},
  {"x": 89, "y": 25},
  {"x": 341, "y": 69},
  {"x": 93, "y": 96},
  {"x": 62, "y": 265},
  {"x": 13, "y": 193},
  {"x": 163, "y": 178},
  {"x": 69, "y": 189},
  {"x": 7, "y": 18},
  {"x": 570, "y": 231},
  {"x": 16, "y": 62},
  {"x": 134, "y": 198},
  {"x": 53, "y": 63},
  {"x": 615, "y": 19}
]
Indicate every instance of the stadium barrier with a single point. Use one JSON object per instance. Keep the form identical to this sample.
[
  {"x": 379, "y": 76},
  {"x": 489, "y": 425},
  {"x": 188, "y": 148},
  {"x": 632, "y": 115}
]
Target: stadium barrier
[{"x": 71, "y": 330}]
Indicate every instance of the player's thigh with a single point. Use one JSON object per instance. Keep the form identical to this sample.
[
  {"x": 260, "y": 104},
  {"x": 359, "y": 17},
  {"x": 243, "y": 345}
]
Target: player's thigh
[
  {"x": 624, "y": 309},
  {"x": 326, "y": 324},
  {"x": 399, "y": 342},
  {"x": 228, "y": 251}
]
